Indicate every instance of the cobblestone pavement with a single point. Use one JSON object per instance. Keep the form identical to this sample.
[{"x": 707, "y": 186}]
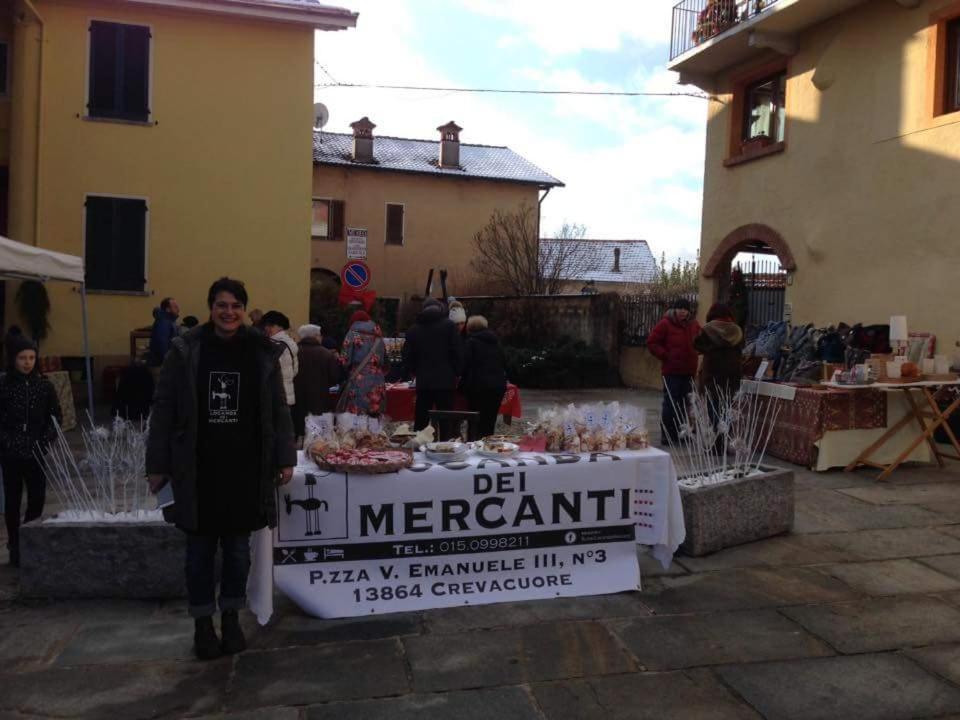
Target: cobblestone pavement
[{"x": 854, "y": 615}]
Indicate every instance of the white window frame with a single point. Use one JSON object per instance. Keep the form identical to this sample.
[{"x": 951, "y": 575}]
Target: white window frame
[
  {"x": 146, "y": 243},
  {"x": 85, "y": 113},
  {"x": 386, "y": 224}
]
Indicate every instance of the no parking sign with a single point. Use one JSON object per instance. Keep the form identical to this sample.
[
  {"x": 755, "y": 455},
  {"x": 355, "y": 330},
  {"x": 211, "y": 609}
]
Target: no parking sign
[{"x": 355, "y": 275}]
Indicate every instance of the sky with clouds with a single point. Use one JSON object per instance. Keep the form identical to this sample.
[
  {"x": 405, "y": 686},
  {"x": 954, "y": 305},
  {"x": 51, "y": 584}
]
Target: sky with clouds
[{"x": 633, "y": 167}]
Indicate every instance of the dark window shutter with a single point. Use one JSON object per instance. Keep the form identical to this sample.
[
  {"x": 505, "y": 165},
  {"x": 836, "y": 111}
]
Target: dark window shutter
[
  {"x": 394, "y": 224},
  {"x": 103, "y": 68},
  {"x": 335, "y": 221},
  {"x": 4, "y": 53},
  {"x": 115, "y": 251},
  {"x": 136, "y": 72}
]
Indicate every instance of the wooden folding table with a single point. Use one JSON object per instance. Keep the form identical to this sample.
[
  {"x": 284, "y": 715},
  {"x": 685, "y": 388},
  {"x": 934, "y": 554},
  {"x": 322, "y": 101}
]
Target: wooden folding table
[{"x": 921, "y": 410}]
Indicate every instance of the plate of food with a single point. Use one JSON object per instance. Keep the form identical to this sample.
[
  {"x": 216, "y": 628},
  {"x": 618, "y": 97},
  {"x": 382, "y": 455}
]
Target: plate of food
[
  {"x": 367, "y": 462},
  {"x": 445, "y": 451},
  {"x": 492, "y": 447}
]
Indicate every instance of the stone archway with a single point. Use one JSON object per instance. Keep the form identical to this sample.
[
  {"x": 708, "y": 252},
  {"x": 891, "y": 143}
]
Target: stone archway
[{"x": 745, "y": 238}]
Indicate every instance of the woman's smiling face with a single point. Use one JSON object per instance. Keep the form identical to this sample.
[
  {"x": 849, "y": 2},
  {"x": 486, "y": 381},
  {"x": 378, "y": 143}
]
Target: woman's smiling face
[{"x": 227, "y": 314}]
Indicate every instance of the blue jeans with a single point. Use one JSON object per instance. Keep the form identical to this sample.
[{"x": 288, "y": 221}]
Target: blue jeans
[
  {"x": 679, "y": 386},
  {"x": 201, "y": 572}
]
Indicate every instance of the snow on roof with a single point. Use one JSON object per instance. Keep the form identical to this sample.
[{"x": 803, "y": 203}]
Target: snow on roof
[
  {"x": 598, "y": 260},
  {"x": 486, "y": 162}
]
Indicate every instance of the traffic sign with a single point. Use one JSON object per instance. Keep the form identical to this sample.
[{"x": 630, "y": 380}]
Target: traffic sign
[{"x": 355, "y": 274}]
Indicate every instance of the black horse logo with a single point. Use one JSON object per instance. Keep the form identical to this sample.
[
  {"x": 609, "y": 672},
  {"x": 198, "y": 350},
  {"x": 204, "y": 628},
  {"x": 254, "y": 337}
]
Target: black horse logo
[{"x": 311, "y": 506}]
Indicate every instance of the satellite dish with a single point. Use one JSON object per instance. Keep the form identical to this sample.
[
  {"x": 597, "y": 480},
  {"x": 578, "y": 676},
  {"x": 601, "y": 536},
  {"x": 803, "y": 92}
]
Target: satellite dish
[{"x": 320, "y": 115}]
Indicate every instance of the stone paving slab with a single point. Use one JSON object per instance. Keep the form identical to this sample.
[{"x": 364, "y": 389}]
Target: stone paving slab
[
  {"x": 651, "y": 567},
  {"x": 129, "y": 642},
  {"x": 23, "y": 647},
  {"x": 678, "y": 642},
  {"x": 881, "y": 623},
  {"x": 944, "y": 660},
  {"x": 745, "y": 589},
  {"x": 33, "y": 613},
  {"x": 504, "y": 615},
  {"x": 780, "y": 551},
  {"x": 123, "y": 691},
  {"x": 819, "y": 511},
  {"x": 296, "y": 629},
  {"x": 690, "y": 695},
  {"x": 303, "y": 676},
  {"x": 277, "y": 713},
  {"x": 804, "y": 479},
  {"x": 884, "y": 544},
  {"x": 878, "y": 687},
  {"x": 892, "y": 494},
  {"x": 894, "y": 577},
  {"x": 510, "y": 703},
  {"x": 514, "y": 656}
]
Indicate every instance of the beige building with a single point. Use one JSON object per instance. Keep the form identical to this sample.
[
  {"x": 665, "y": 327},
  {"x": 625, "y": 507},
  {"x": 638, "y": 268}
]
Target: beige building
[
  {"x": 833, "y": 142},
  {"x": 420, "y": 202}
]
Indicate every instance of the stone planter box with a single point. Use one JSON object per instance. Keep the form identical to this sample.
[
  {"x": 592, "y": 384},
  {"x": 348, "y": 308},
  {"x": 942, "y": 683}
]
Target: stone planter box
[
  {"x": 101, "y": 560},
  {"x": 738, "y": 511}
]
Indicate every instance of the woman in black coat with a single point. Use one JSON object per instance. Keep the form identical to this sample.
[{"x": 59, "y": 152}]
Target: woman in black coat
[
  {"x": 28, "y": 409},
  {"x": 484, "y": 379}
]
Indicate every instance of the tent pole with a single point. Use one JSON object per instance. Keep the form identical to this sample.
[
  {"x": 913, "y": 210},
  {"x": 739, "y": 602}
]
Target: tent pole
[{"x": 86, "y": 351}]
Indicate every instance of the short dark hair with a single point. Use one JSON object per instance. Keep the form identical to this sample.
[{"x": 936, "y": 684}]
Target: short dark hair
[
  {"x": 190, "y": 321},
  {"x": 226, "y": 284},
  {"x": 681, "y": 303},
  {"x": 275, "y": 317},
  {"x": 165, "y": 303}
]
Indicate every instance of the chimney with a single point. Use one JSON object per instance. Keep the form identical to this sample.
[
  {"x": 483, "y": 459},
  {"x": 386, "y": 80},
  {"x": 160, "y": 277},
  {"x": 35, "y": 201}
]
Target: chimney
[
  {"x": 450, "y": 145},
  {"x": 616, "y": 259},
  {"x": 363, "y": 140}
]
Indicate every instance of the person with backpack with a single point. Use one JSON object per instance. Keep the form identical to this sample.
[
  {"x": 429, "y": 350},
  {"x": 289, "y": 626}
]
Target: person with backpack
[
  {"x": 364, "y": 360},
  {"x": 671, "y": 342},
  {"x": 29, "y": 412},
  {"x": 276, "y": 326}
]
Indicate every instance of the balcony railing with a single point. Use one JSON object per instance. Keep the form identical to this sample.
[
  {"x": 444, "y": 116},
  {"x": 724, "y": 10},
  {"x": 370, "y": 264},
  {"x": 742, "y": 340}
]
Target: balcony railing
[{"x": 696, "y": 21}]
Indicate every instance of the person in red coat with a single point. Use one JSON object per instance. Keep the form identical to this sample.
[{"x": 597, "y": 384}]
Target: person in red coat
[{"x": 672, "y": 343}]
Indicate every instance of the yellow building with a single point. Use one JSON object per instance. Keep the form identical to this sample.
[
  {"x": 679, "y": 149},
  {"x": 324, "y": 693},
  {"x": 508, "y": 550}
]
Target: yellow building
[
  {"x": 420, "y": 202},
  {"x": 167, "y": 141},
  {"x": 834, "y": 143}
]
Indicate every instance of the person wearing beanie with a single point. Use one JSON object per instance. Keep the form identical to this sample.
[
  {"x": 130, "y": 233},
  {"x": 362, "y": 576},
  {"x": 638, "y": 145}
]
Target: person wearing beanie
[
  {"x": 433, "y": 354},
  {"x": 319, "y": 371},
  {"x": 364, "y": 361},
  {"x": 275, "y": 326},
  {"x": 29, "y": 413},
  {"x": 671, "y": 342},
  {"x": 458, "y": 315}
]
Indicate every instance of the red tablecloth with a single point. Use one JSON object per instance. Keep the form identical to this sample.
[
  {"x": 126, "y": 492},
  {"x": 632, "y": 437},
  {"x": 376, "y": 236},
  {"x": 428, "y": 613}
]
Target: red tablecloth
[
  {"x": 401, "y": 401},
  {"x": 802, "y": 422}
]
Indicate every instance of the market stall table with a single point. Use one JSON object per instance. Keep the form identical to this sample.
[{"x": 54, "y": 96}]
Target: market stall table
[
  {"x": 921, "y": 410},
  {"x": 466, "y": 533},
  {"x": 402, "y": 398},
  {"x": 824, "y": 428}
]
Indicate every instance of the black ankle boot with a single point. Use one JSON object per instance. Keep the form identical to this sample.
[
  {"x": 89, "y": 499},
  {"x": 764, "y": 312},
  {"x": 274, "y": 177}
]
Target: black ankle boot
[
  {"x": 15, "y": 557},
  {"x": 206, "y": 645},
  {"x": 233, "y": 640}
]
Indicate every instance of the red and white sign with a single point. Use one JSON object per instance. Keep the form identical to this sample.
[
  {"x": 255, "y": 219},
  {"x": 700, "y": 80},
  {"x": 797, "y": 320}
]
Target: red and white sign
[{"x": 355, "y": 275}]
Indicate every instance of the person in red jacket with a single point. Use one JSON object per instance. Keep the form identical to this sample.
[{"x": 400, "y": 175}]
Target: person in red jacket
[{"x": 672, "y": 343}]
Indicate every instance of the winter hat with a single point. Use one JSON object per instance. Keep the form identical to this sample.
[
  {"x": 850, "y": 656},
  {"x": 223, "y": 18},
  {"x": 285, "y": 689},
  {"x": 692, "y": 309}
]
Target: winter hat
[
  {"x": 458, "y": 314},
  {"x": 16, "y": 344},
  {"x": 359, "y": 316},
  {"x": 432, "y": 303}
]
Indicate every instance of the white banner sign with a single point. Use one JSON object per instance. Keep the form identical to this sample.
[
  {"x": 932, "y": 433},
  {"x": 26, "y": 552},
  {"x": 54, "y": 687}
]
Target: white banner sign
[
  {"x": 356, "y": 243},
  {"x": 469, "y": 533}
]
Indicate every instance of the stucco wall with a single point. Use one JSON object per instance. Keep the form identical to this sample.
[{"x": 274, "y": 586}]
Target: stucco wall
[
  {"x": 225, "y": 169},
  {"x": 866, "y": 192},
  {"x": 639, "y": 368},
  {"x": 441, "y": 216}
]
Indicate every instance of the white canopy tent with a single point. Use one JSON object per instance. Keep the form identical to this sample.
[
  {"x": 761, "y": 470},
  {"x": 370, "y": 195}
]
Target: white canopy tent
[{"x": 26, "y": 262}]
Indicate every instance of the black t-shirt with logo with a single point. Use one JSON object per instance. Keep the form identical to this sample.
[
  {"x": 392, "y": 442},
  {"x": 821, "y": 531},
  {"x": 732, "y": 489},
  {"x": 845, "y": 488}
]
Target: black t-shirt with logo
[{"x": 228, "y": 437}]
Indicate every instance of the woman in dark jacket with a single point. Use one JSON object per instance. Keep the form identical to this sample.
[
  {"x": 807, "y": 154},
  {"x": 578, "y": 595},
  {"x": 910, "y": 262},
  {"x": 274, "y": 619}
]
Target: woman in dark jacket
[
  {"x": 221, "y": 435},
  {"x": 28, "y": 409},
  {"x": 319, "y": 371},
  {"x": 484, "y": 378},
  {"x": 721, "y": 344}
]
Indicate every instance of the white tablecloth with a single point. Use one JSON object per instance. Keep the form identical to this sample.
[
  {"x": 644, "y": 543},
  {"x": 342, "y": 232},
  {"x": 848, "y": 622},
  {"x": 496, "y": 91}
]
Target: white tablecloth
[{"x": 657, "y": 513}]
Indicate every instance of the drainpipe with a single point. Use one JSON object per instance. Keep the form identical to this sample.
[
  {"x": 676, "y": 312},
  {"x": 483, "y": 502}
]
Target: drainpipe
[
  {"x": 539, "y": 213},
  {"x": 39, "y": 123}
]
